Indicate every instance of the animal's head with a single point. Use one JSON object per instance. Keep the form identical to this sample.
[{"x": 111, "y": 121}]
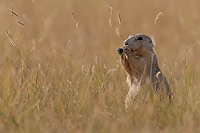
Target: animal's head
[{"x": 141, "y": 45}]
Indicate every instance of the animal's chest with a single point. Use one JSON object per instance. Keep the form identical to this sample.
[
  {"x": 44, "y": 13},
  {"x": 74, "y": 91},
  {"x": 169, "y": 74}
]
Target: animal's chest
[{"x": 135, "y": 87}]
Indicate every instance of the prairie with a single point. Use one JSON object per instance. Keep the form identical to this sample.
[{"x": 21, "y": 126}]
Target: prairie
[{"x": 60, "y": 72}]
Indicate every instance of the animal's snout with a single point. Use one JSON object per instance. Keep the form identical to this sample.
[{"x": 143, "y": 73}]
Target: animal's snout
[{"x": 125, "y": 43}]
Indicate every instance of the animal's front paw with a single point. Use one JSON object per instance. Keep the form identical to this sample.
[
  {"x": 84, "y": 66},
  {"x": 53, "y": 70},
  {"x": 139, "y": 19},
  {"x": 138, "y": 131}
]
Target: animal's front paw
[
  {"x": 127, "y": 49},
  {"x": 120, "y": 51}
]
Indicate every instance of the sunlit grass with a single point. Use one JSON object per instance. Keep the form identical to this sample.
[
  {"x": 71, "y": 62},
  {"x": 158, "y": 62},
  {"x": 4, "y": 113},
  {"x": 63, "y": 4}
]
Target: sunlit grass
[{"x": 64, "y": 78}]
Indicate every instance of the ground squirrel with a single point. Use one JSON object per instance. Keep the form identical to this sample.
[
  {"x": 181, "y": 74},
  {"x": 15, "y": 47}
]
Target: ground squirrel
[{"x": 140, "y": 63}]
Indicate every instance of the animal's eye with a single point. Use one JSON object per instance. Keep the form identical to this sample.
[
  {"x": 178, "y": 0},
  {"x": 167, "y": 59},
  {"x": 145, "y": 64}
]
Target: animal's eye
[{"x": 140, "y": 38}]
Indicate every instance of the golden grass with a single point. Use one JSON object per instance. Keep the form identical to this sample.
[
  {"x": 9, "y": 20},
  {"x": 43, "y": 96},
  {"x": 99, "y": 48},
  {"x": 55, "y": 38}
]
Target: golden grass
[{"x": 64, "y": 74}]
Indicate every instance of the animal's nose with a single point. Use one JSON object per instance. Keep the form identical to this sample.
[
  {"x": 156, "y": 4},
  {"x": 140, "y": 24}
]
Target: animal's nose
[{"x": 127, "y": 41}]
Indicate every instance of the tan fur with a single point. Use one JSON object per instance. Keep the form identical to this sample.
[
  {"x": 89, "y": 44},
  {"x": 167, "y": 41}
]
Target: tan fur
[{"x": 140, "y": 63}]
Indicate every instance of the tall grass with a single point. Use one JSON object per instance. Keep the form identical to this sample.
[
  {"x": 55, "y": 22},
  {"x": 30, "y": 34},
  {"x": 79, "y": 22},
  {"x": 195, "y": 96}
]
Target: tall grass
[{"x": 61, "y": 77}]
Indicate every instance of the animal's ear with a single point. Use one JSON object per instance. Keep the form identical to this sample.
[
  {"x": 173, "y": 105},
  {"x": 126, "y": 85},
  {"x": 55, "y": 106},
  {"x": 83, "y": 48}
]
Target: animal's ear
[{"x": 151, "y": 43}]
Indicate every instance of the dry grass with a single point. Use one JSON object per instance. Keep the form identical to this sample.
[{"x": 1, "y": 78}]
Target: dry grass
[{"x": 64, "y": 74}]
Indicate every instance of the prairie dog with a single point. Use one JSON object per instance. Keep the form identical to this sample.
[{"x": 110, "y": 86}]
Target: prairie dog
[{"x": 140, "y": 63}]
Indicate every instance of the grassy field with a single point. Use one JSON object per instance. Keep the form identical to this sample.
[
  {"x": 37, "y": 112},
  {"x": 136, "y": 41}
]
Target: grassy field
[{"x": 59, "y": 70}]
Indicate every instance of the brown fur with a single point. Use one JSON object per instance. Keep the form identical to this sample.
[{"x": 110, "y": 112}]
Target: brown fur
[{"x": 140, "y": 63}]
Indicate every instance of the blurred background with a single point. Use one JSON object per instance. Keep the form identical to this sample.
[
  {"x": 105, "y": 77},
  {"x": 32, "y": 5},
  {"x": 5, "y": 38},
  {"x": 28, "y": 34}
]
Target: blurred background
[
  {"x": 48, "y": 47},
  {"x": 50, "y": 30}
]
